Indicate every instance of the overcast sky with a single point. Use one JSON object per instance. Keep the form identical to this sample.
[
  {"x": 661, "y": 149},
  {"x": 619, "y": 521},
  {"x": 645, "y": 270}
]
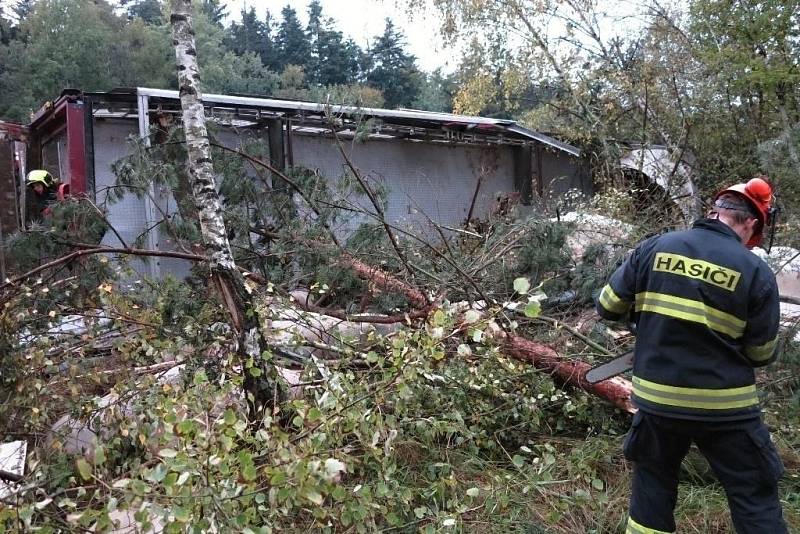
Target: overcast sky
[{"x": 362, "y": 20}]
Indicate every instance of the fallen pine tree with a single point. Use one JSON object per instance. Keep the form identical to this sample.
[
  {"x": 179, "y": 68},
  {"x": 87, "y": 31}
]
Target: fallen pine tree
[{"x": 616, "y": 391}]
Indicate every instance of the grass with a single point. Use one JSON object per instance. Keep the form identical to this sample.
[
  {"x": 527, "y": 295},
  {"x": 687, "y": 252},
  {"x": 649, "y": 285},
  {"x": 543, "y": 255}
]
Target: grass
[{"x": 560, "y": 498}]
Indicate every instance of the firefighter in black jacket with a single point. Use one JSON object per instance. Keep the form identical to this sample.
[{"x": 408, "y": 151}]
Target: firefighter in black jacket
[
  {"x": 707, "y": 314},
  {"x": 41, "y": 194}
]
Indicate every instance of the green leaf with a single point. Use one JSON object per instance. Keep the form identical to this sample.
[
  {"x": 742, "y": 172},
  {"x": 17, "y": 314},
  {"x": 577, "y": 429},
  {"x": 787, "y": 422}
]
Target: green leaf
[
  {"x": 184, "y": 427},
  {"x": 533, "y": 309},
  {"x": 200, "y": 378},
  {"x": 139, "y": 488},
  {"x": 313, "y": 415},
  {"x": 170, "y": 479},
  {"x": 278, "y": 478},
  {"x": 420, "y": 511},
  {"x": 181, "y": 514},
  {"x": 339, "y": 494},
  {"x": 249, "y": 473},
  {"x": 598, "y": 484},
  {"x": 156, "y": 474},
  {"x": 582, "y": 494},
  {"x": 230, "y": 417},
  {"x": 394, "y": 519},
  {"x": 521, "y": 285},
  {"x": 84, "y": 468},
  {"x": 99, "y": 455},
  {"x": 518, "y": 460}
]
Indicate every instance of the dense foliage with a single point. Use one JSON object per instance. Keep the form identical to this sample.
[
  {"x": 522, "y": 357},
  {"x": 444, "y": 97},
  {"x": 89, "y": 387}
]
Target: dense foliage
[
  {"x": 49, "y": 45},
  {"x": 715, "y": 79}
]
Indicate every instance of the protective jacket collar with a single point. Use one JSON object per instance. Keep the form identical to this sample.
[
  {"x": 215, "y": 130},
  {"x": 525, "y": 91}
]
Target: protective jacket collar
[{"x": 715, "y": 225}]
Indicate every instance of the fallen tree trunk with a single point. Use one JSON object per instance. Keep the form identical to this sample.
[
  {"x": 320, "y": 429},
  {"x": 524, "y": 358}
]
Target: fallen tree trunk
[
  {"x": 617, "y": 390},
  {"x": 385, "y": 281}
]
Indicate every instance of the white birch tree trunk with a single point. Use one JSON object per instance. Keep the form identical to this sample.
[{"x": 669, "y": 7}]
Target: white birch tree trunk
[{"x": 227, "y": 278}]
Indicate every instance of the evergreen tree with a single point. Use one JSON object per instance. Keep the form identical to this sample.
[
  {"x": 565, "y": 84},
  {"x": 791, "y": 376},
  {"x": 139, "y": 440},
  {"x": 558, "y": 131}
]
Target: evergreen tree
[
  {"x": 365, "y": 64},
  {"x": 121, "y": 51},
  {"x": 149, "y": 61},
  {"x": 314, "y": 21},
  {"x": 270, "y": 53},
  {"x": 22, "y": 9},
  {"x": 436, "y": 92},
  {"x": 223, "y": 70},
  {"x": 394, "y": 71},
  {"x": 13, "y": 18},
  {"x": 149, "y": 11},
  {"x": 249, "y": 36},
  {"x": 5, "y": 29},
  {"x": 337, "y": 59},
  {"x": 333, "y": 61},
  {"x": 214, "y": 10},
  {"x": 292, "y": 41}
]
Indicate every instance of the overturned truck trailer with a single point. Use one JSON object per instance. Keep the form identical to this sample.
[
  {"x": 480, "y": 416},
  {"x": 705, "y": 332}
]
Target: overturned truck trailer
[
  {"x": 13, "y": 144},
  {"x": 434, "y": 165},
  {"x": 669, "y": 170}
]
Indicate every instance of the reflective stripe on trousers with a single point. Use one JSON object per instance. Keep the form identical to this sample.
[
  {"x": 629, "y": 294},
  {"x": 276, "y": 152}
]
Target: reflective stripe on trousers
[{"x": 635, "y": 528}]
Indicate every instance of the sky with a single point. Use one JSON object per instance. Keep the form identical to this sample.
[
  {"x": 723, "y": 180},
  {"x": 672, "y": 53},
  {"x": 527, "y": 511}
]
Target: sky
[{"x": 362, "y": 20}]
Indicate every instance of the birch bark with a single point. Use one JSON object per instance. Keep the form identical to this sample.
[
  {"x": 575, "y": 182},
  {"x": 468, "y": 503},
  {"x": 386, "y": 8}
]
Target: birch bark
[{"x": 227, "y": 279}]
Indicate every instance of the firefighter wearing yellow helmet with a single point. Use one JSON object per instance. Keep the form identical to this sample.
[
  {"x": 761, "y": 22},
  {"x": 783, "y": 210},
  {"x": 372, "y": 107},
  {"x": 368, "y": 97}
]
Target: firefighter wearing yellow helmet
[
  {"x": 707, "y": 314},
  {"x": 41, "y": 194}
]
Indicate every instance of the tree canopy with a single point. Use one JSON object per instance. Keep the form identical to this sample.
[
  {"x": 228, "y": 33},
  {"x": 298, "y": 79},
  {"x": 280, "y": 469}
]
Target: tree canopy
[
  {"x": 716, "y": 78},
  {"x": 393, "y": 70},
  {"x": 49, "y": 45}
]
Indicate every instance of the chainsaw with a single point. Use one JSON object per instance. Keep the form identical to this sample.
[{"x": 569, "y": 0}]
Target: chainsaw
[
  {"x": 623, "y": 362},
  {"x": 610, "y": 369}
]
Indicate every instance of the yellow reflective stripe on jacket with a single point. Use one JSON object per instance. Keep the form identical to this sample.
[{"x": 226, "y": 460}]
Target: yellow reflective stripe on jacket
[
  {"x": 704, "y": 399},
  {"x": 610, "y": 301},
  {"x": 635, "y": 528},
  {"x": 690, "y": 310},
  {"x": 763, "y": 352}
]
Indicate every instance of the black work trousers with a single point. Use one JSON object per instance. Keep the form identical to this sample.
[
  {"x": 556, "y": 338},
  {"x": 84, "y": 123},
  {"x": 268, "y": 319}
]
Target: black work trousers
[{"x": 740, "y": 453}]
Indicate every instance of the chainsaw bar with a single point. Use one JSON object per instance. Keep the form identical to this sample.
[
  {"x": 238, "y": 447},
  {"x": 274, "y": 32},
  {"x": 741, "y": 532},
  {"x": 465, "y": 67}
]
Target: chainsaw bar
[{"x": 610, "y": 369}]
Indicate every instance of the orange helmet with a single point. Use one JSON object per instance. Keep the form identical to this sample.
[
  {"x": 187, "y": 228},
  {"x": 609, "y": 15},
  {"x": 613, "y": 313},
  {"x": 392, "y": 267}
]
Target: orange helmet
[{"x": 758, "y": 194}]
